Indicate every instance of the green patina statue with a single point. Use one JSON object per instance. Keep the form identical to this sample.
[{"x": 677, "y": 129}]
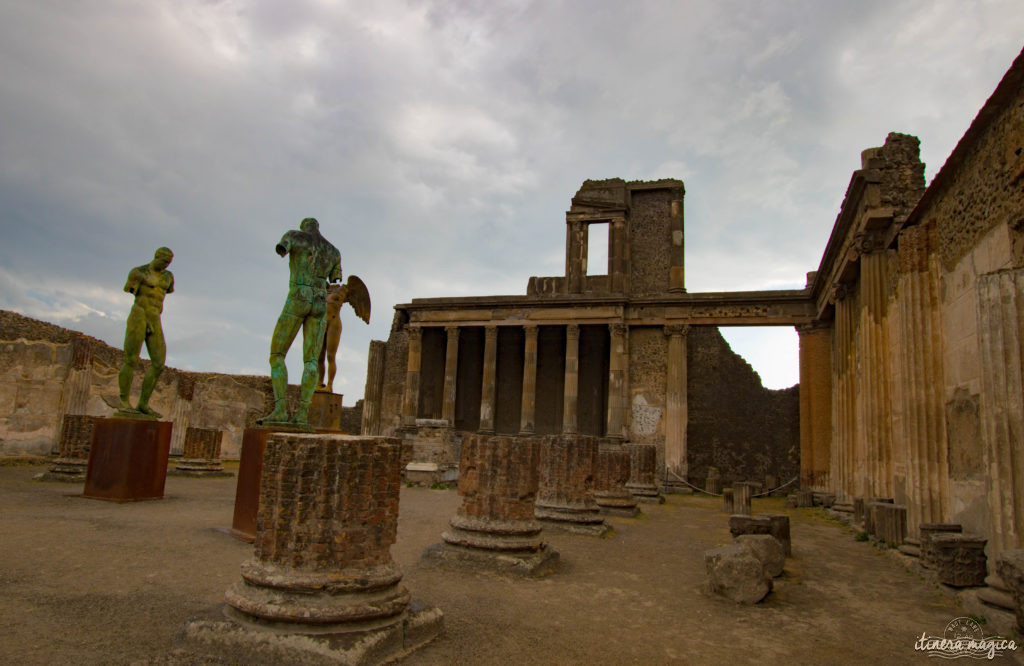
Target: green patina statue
[
  {"x": 313, "y": 263},
  {"x": 150, "y": 283}
]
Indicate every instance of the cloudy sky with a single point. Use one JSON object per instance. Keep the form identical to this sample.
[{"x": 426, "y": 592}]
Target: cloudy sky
[{"x": 439, "y": 144}]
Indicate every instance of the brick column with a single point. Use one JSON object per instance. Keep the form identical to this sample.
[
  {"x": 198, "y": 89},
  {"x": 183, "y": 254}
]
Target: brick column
[
  {"x": 74, "y": 393},
  {"x": 451, "y": 365},
  {"x": 611, "y": 474},
  {"x": 572, "y": 355},
  {"x": 487, "y": 390},
  {"x": 374, "y": 392},
  {"x": 494, "y": 527},
  {"x": 643, "y": 480},
  {"x": 565, "y": 498},
  {"x": 201, "y": 453},
  {"x": 618, "y": 381},
  {"x": 675, "y": 399},
  {"x": 321, "y": 580},
  {"x": 618, "y": 256},
  {"x": 75, "y": 444},
  {"x": 527, "y": 424},
  {"x": 676, "y": 281},
  {"x": 575, "y": 253},
  {"x": 815, "y": 404},
  {"x": 412, "y": 377}
]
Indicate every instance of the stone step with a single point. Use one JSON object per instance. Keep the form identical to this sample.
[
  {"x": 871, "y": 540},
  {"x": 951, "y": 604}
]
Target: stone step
[
  {"x": 912, "y": 551},
  {"x": 843, "y": 506},
  {"x": 997, "y": 598}
]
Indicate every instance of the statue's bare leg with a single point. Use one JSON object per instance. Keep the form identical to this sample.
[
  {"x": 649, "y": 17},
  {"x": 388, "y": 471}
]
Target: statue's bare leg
[
  {"x": 135, "y": 333},
  {"x": 320, "y": 382},
  {"x": 331, "y": 341},
  {"x": 312, "y": 341},
  {"x": 157, "y": 349},
  {"x": 284, "y": 332}
]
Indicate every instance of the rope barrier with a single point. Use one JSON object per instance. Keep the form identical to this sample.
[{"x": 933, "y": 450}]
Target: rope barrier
[{"x": 701, "y": 490}]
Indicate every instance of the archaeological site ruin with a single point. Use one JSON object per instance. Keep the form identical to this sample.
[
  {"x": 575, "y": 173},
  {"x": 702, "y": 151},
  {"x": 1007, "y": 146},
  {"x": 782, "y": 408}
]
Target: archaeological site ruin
[{"x": 597, "y": 393}]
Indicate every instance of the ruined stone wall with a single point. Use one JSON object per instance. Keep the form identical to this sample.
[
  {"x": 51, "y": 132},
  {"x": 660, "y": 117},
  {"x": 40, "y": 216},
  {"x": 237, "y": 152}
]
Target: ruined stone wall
[
  {"x": 649, "y": 241},
  {"x": 396, "y": 362},
  {"x": 735, "y": 424},
  {"x": 648, "y": 355}
]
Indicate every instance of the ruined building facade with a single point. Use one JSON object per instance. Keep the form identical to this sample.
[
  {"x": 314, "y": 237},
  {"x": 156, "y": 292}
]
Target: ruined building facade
[{"x": 628, "y": 355}]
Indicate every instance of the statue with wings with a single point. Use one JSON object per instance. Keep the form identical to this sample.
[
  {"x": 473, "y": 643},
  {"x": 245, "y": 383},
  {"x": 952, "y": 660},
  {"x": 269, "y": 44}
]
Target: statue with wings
[{"x": 354, "y": 293}]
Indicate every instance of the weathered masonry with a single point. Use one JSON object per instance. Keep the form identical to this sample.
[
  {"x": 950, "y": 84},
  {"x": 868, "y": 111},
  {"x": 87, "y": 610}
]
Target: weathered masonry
[{"x": 604, "y": 355}]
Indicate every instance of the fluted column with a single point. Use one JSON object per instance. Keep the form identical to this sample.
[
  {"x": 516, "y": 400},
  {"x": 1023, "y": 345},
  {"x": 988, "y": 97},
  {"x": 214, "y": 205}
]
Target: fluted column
[
  {"x": 181, "y": 412},
  {"x": 451, "y": 365},
  {"x": 815, "y": 404},
  {"x": 675, "y": 401},
  {"x": 527, "y": 422},
  {"x": 374, "y": 391},
  {"x": 617, "y": 381},
  {"x": 844, "y": 397},
  {"x": 412, "y": 377},
  {"x": 487, "y": 391},
  {"x": 1001, "y": 339},
  {"x": 572, "y": 363},
  {"x": 74, "y": 394}
]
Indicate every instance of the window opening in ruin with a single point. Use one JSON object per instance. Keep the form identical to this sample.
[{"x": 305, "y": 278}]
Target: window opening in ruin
[
  {"x": 772, "y": 351},
  {"x": 597, "y": 248}
]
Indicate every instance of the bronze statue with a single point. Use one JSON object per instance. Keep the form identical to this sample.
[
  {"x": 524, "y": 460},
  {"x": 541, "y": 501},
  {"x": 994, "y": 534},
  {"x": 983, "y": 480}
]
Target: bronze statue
[
  {"x": 312, "y": 263},
  {"x": 354, "y": 293},
  {"x": 150, "y": 283}
]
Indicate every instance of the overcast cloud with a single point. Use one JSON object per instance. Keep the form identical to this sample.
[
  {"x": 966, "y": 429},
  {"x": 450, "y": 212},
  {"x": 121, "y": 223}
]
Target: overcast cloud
[{"x": 439, "y": 143}]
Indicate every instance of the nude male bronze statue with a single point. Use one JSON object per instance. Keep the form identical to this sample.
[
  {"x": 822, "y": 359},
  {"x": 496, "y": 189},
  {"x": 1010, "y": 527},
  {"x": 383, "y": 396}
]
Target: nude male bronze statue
[
  {"x": 354, "y": 293},
  {"x": 312, "y": 263},
  {"x": 149, "y": 283}
]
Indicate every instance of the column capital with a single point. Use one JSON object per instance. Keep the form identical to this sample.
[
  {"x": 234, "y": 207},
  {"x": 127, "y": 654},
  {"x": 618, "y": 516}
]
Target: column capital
[
  {"x": 530, "y": 330},
  {"x": 673, "y": 330},
  {"x": 618, "y": 328},
  {"x": 839, "y": 291},
  {"x": 415, "y": 332},
  {"x": 866, "y": 242},
  {"x": 572, "y": 331},
  {"x": 490, "y": 332},
  {"x": 452, "y": 331}
]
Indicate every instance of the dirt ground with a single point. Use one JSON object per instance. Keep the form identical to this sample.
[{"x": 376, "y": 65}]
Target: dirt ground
[{"x": 92, "y": 582}]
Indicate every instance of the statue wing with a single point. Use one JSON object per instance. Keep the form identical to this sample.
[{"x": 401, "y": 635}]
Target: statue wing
[{"x": 358, "y": 297}]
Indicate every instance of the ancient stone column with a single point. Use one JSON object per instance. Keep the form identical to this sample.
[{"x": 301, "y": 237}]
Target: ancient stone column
[
  {"x": 411, "y": 404},
  {"x": 565, "y": 497},
  {"x": 675, "y": 403},
  {"x": 201, "y": 455},
  {"x": 181, "y": 412},
  {"x": 572, "y": 355},
  {"x": 529, "y": 412},
  {"x": 959, "y": 559},
  {"x": 74, "y": 393},
  {"x": 374, "y": 391},
  {"x": 488, "y": 388},
  {"x": 618, "y": 380},
  {"x": 575, "y": 253},
  {"x": 495, "y": 528},
  {"x": 73, "y": 453},
  {"x": 815, "y": 404},
  {"x": 611, "y": 474},
  {"x": 741, "y": 494},
  {"x": 875, "y": 435},
  {"x": 727, "y": 500},
  {"x": 321, "y": 581},
  {"x": 919, "y": 387},
  {"x": 451, "y": 365},
  {"x": 844, "y": 397},
  {"x": 676, "y": 281},
  {"x": 643, "y": 479},
  {"x": 1001, "y": 340},
  {"x": 618, "y": 256},
  {"x": 713, "y": 481}
]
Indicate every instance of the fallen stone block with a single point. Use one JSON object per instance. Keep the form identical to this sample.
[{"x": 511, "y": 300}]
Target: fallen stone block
[
  {"x": 1010, "y": 568},
  {"x": 959, "y": 559},
  {"x": 767, "y": 549},
  {"x": 736, "y": 574}
]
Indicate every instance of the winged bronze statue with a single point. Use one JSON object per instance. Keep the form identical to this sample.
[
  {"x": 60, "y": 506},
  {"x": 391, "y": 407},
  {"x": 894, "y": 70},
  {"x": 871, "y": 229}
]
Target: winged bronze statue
[{"x": 354, "y": 293}]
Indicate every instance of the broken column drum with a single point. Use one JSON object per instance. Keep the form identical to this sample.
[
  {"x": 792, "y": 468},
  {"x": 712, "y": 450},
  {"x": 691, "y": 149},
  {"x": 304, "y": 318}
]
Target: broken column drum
[
  {"x": 201, "y": 455},
  {"x": 328, "y": 516},
  {"x": 75, "y": 442},
  {"x": 610, "y": 478},
  {"x": 495, "y": 526},
  {"x": 643, "y": 461},
  {"x": 565, "y": 494}
]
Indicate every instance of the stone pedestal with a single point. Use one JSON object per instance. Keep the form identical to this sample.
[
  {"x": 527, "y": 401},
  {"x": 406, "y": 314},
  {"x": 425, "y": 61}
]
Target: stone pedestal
[
  {"x": 928, "y": 530},
  {"x": 201, "y": 454},
  {"x": 610, "y": 478},
  {"x": 643, "y": 480},
  {"x": 565, "y": 497},
  {"x": 321, "y": 586},
  {"x": 325, "y": 411},
  {"x": 1010, "y": 569},
  {"x": 959, "y": 559},
  {"x": 890, "y": 523},
  {"x": 495, "y": 529},
  {"x": 73, "y": 455},
  {"x": 128, "y": 460},
  {"x": 804, "y": 498},
  {"x": 741, "y": 493}
]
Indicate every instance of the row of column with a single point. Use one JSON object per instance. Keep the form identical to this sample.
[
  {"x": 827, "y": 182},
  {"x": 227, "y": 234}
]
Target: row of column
[{"x": 618, "y": 384}]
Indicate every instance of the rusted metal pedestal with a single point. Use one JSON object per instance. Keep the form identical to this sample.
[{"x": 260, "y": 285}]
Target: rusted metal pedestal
[{"x": 128, "y": 460}]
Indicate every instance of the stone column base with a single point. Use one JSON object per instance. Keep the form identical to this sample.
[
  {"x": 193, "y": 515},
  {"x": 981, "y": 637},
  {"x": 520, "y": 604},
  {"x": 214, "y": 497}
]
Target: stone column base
[
  {"x": 648, "y": 494},
  {"x": 617, "y": 504},
  {"x": 199, "y": 468},
  {"x": 225, "y": 632},
  {"x": 501, "y": 546},
  {"x": 587, "y": 522},
  {"x": 68, "y": 470}
]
